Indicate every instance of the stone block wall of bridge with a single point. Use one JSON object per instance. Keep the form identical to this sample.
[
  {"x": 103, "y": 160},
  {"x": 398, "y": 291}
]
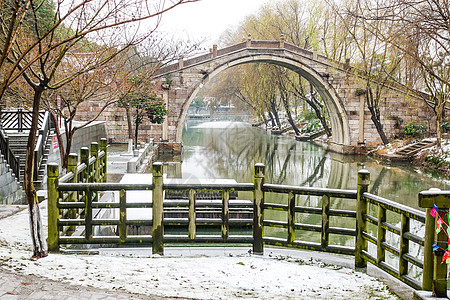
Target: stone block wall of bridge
[
  {"x": 337, "y": 83},
  {"x": 335, "y": 79}
]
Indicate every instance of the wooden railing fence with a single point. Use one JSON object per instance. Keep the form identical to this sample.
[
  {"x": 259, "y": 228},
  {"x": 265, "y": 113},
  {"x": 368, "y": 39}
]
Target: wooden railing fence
[{"x": 74, "y": 197}]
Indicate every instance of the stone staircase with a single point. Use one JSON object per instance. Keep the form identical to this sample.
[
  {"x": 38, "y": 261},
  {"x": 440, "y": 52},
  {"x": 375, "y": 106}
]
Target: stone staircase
[
  {"x": 412, "y": 149},
  {"x": 11, "y": 192},
  {"x": 18, "y": 145},
  {"x": 310, "y": 135}
]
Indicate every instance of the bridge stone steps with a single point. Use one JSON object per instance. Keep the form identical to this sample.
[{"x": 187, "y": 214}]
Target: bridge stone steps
[
  {"x": 310, "y": 136},
  {"x": 412, "y": 149},
  {"x": 11, "y": 192},
  {"x": 18, "y": 145}
]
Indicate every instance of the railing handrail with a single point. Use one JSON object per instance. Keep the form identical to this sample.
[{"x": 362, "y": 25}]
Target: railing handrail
[
  {"x": 9, "y": 156},
  {"x": 313, "y": 191},
  {"x": 41, "y": 141},
  {"x": 397, "y": 207}
]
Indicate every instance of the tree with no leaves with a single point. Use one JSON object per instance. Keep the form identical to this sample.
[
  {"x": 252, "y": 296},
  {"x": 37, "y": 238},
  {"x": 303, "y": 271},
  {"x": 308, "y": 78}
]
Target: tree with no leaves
[
  {"x": 422, "y": 33},
  {"x": 35, "y": 38}
]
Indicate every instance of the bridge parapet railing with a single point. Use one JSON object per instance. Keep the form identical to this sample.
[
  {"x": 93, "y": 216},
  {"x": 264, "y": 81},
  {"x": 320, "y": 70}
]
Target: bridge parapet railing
[
  {"x": 250, "y": 44},
  {"x": 384, "y": 224},
  {"x": 19, "y": 119}
]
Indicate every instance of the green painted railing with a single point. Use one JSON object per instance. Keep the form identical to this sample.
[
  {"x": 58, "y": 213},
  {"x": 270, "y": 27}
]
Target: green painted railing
[{"x": 74, "y": 197}]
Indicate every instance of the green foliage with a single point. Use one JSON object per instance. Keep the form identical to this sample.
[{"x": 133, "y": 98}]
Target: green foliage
[
  {"x": 359, "y": 92},
  {"x": 438, "y": 161},
  {"x": 312, "y": 126},
  {"x": 146, "y": 104},
  {"x": 414, "y": 129},
  {"x": 45, "y": 16},
  {"x": 445, "y": 126},
  {"x": 198, "y": 102},
  {"x": 156, "y": 110},
  {"x": 308, "y": 115}
]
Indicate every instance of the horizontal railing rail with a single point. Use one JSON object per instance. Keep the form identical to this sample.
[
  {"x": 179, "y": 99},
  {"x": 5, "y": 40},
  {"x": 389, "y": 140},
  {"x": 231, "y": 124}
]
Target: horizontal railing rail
[{"x": 394, "y": 230}]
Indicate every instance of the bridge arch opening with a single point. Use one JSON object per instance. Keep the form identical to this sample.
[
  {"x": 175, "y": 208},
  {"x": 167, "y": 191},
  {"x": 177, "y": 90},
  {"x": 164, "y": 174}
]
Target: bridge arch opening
[{"x": 338, "y": 118}]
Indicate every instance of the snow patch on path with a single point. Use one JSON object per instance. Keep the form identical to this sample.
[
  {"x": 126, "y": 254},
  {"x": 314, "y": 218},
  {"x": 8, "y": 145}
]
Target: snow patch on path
[{"x": 199, "y": 277}]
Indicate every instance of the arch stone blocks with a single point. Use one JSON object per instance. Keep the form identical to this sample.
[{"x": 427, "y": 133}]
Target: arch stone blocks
[{"x": 349, "y": 117}]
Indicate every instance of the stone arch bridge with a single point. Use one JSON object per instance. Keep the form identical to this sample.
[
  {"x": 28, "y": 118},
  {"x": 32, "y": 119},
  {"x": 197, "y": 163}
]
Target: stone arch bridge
[{"x": 336, "y": 82}]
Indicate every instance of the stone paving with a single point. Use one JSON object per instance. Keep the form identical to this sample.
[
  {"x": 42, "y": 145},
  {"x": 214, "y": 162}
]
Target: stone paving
[{"x": 13, "y": 286}]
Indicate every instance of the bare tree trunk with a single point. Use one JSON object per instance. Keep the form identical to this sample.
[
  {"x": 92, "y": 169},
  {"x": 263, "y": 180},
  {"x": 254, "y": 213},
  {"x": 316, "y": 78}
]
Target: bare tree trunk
[
  {"x": 275, "y": 113},
  {"x": 130, "y": 124},
  {"x": 376, "y": 121},
  {"x": 318, "y": 109},
  {"x": 272, "y": 119},
  {"x": 375, "y": 115},
  {"x": 39, "y": 243},
  {"x": 136, "y": 133},
  {"x": 289, "y": 115},
  {"x": 438, "y": 127}
]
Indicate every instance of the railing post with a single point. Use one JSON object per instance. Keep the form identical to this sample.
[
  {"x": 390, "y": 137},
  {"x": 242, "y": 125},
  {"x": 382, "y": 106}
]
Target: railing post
[
  {"x": 428, "y": 257},
  {"x": 72, "y": 167},
  {"x": 123, "y": 216},
  {"x": 214, "y": 51},
  {"x": 53, "y": 211},
  {"x": 438, "y": 281},
  {"x": 381, "y": 234},
  {"x": 282, "y": 41},
  {"x": 95, "y": 168},
  {"x": 404, "y": 246},
  {"x": 158, "y": 209},
  {"x": 19, "y": 120},
  {"x": 84, "y": 176},
  {"x": 84, "y": 159},
  {"x": 291, "y": 218},
  {"x": 225, "y": 215},
  {"x": 361, "y": 224},
  {"x": 325, "y": 221},
  {"x": 258, "y": 209},
  {"x": 192, "y": 228},
  {"x": 104, "y": 163}
]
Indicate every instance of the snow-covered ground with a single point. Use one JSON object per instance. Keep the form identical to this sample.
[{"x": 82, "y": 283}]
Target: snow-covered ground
[{"x": 239, "y": 275}]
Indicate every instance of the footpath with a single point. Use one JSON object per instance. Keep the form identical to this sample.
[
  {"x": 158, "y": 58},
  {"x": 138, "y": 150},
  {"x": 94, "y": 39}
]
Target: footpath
[
  {"x": 13, "y": 286},
  {"x": 29, "y": 287}
]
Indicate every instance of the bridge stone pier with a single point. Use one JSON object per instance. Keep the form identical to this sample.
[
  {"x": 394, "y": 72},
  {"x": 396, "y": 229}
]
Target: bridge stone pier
[{"x": 337, "y": 84}]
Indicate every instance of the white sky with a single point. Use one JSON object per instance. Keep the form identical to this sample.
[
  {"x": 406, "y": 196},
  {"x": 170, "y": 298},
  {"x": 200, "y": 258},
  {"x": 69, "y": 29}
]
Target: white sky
[{"x": 208, "y": 18}]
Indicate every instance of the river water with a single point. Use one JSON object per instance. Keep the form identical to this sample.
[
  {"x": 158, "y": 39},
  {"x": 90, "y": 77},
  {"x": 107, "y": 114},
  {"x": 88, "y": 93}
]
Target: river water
[{"x": 231, "y": 149}]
